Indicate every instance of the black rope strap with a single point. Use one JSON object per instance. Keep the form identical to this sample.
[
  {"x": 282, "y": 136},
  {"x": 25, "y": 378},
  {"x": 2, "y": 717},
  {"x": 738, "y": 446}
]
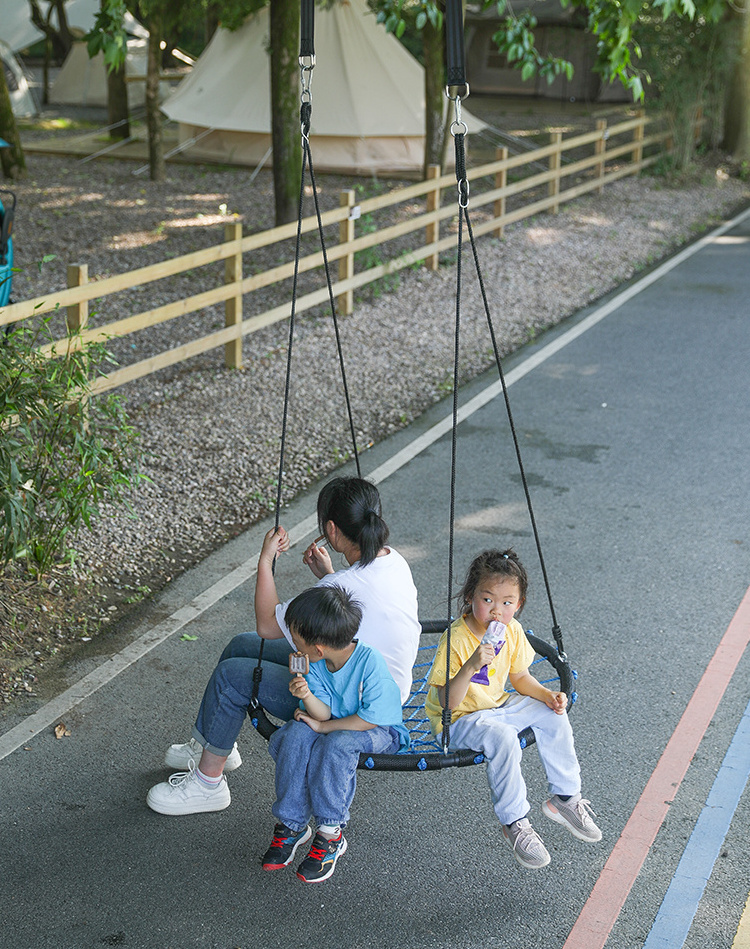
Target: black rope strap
[
  {"x": 463, "y": 193},
  {"x": 446, "y": 713},
  {"x": 454, "y": 43},
  {"x": 307, "y": 52},
  {"x": 556, "y": 631},
  {"x": 332, "y": 302},
  {"x": 307, "y": 28}
]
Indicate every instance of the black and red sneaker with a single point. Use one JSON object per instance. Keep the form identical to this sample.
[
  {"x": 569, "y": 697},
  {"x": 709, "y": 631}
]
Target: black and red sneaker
[
  {"x": 284, "y": 846},
  {"x": 320, "y": 862}
]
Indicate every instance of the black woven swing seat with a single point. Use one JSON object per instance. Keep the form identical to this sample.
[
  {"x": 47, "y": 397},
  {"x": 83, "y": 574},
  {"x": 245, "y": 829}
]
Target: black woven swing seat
[{"x": 425, "y": 753}]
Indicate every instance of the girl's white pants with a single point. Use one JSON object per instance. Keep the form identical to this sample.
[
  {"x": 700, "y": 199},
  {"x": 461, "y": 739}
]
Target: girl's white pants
[{"x": 494, "y": 732}]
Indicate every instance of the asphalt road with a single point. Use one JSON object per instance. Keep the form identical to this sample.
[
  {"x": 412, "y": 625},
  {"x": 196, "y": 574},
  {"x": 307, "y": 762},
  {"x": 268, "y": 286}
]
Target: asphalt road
[{"x": 636, "y": 443}]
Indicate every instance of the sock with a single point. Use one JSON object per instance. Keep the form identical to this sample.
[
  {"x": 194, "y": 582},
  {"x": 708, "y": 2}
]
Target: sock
[
  {"x": 565, "y": 797},
  {"x": 208, "y": 781},
  {"x": 329, "y": 831}
]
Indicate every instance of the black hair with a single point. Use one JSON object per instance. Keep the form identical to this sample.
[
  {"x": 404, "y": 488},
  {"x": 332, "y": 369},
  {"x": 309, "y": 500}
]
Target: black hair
[
  {"x": 325, "y": 616},
  {"x": 353, "y": 505},
  {"x": 493, "y": 563}
]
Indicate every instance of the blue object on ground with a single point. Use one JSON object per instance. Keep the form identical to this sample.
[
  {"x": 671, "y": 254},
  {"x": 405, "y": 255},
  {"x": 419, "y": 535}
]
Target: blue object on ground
[{"x": 7, "y": 212}]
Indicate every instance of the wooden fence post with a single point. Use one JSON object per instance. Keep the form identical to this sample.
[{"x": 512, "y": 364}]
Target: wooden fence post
[
  {"x": 76, "y": 319},
  {"x": 345, "y": 301},
  {"x": 432, "y": 231},
  {"x": 555, "y": 163},
  {"x": 233, "y": 306},
  {"x": 501, "y": 180},
  {"x": 78, "y": 313},
  {"x": 638, "y": 135},
  {"x": 600, "y": 149}
]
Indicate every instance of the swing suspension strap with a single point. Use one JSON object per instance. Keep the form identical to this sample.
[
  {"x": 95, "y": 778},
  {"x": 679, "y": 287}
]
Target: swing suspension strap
[
  {"x": 456, "y": 78},
  {"x": 306, "y": 65}
]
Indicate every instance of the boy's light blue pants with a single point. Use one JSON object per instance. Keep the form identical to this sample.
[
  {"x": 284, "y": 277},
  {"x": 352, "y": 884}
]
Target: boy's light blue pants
[{"x": 494, "y": 732}]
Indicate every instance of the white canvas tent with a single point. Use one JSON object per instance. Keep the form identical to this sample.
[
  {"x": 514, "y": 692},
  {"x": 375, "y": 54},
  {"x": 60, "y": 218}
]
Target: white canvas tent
[
  {"x": 368, "y": 97},
  {"x": 83, "y": 80},
  {"x": 21, "y": 98}
]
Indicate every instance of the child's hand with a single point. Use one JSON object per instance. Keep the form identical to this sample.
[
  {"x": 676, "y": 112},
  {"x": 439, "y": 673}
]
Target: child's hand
[
  {"x": 275, "y": 542},
  {"x": 557, "y": 701},
  {"x": 299, "y": 688},
  {"x": 318, "y": 560},
  {"x": 301, "y": 716},
  {"x": 482, "y": 656}
]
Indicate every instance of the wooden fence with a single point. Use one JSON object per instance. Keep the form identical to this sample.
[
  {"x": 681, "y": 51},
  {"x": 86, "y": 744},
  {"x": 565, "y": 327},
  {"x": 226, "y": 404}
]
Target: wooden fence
[{"x": 616, "y": 151}]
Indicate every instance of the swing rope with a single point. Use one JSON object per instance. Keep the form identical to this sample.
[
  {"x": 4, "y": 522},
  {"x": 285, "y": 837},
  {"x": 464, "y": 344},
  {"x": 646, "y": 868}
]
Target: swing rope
[
  {"x": 456, "y": 75},
  {"x": 306, "y": 64}
]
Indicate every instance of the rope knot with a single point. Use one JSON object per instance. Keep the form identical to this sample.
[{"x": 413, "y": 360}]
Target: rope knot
[{"x": 305, "y": 115}]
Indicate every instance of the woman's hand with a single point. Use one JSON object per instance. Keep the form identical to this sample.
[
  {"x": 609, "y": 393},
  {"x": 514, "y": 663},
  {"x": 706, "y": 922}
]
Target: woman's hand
[
  {"x": 318, "y": 560},
  {"x": 275, "y": 542}
]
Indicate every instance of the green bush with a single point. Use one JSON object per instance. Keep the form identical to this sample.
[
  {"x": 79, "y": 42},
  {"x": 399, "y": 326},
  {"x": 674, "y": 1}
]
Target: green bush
[
  {"x": 61, "y": 453},
  {"x": 689, "y": 62}
]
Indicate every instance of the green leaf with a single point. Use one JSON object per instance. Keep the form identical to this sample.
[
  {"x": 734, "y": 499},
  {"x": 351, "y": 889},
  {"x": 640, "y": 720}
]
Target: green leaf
[
  {"x": 186, "y": 638},
  {"x": 528, "y": 70}
]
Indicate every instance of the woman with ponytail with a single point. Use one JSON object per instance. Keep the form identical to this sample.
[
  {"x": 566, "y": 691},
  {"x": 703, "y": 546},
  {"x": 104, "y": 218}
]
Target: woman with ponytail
[{"x": 379, "y": 579}]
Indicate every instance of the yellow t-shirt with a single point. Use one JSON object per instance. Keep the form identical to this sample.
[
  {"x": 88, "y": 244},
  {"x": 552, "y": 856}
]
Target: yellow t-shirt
[{"x": 516, "y": 655}]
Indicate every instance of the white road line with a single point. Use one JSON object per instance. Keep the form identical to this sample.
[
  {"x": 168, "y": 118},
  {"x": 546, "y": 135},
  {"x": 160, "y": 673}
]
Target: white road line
[{"x": 54, "y": 710}]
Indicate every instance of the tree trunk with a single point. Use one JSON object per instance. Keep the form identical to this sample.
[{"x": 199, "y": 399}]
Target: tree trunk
[
  {"x": 433, "y": 46},
  {"x": 62, "y": 38},
  {"x": 211, "y": 22},
  {"x": 285, "y": 101},
  {"x": 11, "y": 159},
  {"x": 737, "y": 114},
  {"x": 153, "y": 113},
  {"x": 117, "y": 104}
]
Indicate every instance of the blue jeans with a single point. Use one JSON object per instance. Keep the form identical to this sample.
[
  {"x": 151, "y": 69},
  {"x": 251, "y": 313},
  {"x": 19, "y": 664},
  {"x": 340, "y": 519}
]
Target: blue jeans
[
  {"x": 227, "y": 696},
  {"x": 316, "y": 775}
]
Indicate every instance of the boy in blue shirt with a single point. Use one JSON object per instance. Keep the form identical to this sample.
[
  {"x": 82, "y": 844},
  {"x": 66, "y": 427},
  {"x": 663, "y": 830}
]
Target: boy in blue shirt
[{"x": 349, "y": 703}]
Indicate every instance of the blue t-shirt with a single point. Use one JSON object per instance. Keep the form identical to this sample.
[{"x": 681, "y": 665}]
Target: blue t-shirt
[{"x": 362, "y": 686}]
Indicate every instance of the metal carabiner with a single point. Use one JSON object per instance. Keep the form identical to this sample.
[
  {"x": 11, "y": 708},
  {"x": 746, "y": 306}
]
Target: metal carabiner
[
  {"x": 306, "y": 66},
  {"x": 458, "y": 125}
]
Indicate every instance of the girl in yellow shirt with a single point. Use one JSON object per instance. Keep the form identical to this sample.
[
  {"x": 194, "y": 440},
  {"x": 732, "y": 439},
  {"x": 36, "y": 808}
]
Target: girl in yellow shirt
[{"x": 488, "y": 648}]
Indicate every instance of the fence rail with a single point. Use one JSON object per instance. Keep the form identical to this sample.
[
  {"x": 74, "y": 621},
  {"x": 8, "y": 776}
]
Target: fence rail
[{"x": 236, "y": 286}]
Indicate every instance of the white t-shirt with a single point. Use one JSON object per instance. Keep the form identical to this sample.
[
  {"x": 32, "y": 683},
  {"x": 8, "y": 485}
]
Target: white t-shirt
[{"x": 386, "y": 592}]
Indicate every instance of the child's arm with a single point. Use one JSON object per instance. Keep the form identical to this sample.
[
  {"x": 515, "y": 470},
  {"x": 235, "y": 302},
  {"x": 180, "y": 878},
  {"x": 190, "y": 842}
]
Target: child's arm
[
  {"x": 318, "y": 715},
  {"x": 352, "y": 723},
  {"x": 459, "y": 684},
  {"x": 525, "y": 684},
  {"x": 315, "y": 708},
  {"x": 275, "y": 542}
]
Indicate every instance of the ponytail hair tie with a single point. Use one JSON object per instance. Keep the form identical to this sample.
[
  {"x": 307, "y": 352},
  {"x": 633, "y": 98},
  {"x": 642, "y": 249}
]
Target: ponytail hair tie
[{"x": 371, "y": 510}]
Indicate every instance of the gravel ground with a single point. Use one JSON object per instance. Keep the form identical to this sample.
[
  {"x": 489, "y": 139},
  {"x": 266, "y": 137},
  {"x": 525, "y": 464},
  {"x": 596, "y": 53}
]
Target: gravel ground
[{"x": 210, "y": 436}]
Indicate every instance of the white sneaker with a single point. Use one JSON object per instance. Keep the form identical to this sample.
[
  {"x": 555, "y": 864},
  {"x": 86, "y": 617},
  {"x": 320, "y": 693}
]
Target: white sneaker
[
  {"x": 575, "y": 815},
  {"x": 527, "y": 845},
  {"x": 181, "y": 756},
  {"x": 184, "y": 793}
]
